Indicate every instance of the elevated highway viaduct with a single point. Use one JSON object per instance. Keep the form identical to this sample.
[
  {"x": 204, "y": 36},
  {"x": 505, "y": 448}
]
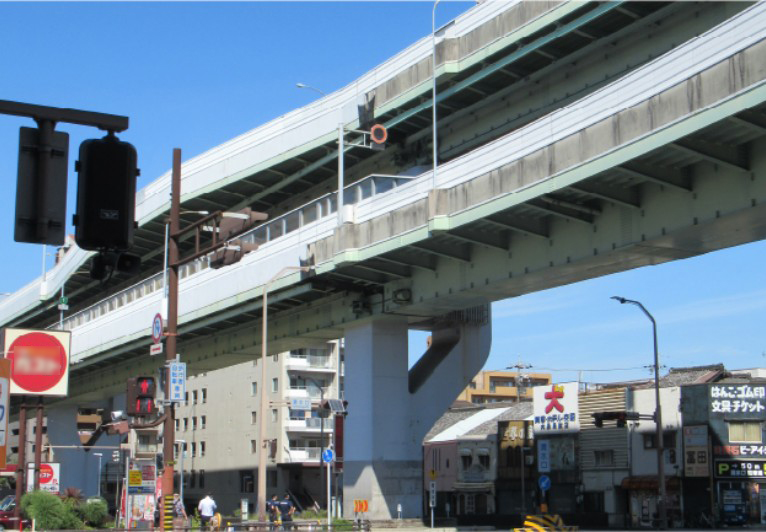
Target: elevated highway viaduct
[{"x": 575, "y": 140}]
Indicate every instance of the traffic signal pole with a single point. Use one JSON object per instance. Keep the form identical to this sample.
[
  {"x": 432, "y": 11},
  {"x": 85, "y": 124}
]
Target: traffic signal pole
[{"x": 168, "y": 429}]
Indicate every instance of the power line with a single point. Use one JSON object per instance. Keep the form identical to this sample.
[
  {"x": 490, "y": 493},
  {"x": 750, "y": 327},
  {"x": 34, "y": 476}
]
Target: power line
[{"x": 593, "y": 369}]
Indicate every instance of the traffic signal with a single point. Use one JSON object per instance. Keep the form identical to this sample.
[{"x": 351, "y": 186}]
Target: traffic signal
[
  {"x": 378, "y": 137},
  {"x": 106, "y": 194},
  {"x": 140, "y": 396},
  {"x": 621, "y": 417},
  {"x": 235, "y": 223},
  {"x": 230, "y": 253},
  {"x": 598, "y": 419}
]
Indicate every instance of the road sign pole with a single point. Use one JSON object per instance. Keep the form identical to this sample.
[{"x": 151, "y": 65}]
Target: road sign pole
[{"x": 329, "y": 508}]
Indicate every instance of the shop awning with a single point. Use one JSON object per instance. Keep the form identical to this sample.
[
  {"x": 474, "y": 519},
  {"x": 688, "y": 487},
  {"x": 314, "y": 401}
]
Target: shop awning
[{"x": 648, "y": 483}]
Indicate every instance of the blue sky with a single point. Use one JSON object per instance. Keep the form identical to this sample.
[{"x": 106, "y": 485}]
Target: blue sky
[{"x": 194, "y": 75}]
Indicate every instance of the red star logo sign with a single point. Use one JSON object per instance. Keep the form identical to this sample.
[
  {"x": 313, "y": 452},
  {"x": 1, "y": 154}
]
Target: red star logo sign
[{"x": 556, "y": 393}]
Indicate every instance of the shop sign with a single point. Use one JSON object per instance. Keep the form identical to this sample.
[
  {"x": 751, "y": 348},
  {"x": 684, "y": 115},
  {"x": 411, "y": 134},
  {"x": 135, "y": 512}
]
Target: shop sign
[
  {"x": 39, "y": 361},
  {"x": 142, "y": 477},
  {"x": 740, "y": 469},
  {"x": 543, "y": 456},
  {"x": 516, "y": 434},
  {"x": 739, "y": 450},
  {"x": 555, "y": 408},
  {"x": 740, "y": 399},
  {"x": 50, "y": 475},
  {"x": 696, "y": 459}
]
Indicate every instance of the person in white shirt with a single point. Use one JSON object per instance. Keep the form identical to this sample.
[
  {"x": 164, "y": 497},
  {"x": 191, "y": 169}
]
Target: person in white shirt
[{"x": 206, "y": 509}]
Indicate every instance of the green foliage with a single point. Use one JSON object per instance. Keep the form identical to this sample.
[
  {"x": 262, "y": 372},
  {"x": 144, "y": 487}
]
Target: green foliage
[
  {"x": 46, "y": 509},
  {"x": 94, "y": 512}
]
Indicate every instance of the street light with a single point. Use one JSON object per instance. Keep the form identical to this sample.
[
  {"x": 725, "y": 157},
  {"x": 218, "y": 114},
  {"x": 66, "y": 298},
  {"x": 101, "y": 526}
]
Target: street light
[
  {"x": 657, "y": 414},
  {"x": 182, "y": 452},
  {"x": 263, "y": 402},
  {"x": 98, "y": 477},
  {"x": 309, "y": 87}
]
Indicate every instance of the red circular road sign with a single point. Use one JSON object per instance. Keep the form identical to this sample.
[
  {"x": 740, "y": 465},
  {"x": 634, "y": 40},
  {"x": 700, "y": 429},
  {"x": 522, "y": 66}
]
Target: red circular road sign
[
  {"x": 157, "y": 328},
  {"x": 46, "y": 473},
  {"x": 38, "y": 361},
  {"x": 378, "y": 134}
]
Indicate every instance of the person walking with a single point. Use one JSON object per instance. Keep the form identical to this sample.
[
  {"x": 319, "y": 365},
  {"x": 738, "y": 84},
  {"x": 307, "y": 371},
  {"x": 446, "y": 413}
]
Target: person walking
[
  {"x": 179, "y": 513},
  {"x": 286, "y": 509},
  {"x": 207, "y": 508}
]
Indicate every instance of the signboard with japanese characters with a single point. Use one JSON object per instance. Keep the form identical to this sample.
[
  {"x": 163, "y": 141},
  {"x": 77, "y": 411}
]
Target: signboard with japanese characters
[
  {"x": 740, "y": 469},
  {"x": 737, "y": 450},
  {"x": 177, "y": 389},
  {"x": 738, "y": 400},
  {"x": 555, "y": 408},
  {"x": 696, "y": 459},
  {"x": 544, "y": 456}
]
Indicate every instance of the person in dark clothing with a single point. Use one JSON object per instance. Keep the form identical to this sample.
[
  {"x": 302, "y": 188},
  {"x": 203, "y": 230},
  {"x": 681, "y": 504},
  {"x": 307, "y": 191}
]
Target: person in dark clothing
[{"x": 286, "y": 509}]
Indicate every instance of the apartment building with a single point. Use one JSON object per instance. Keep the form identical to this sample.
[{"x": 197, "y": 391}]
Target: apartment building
[
  {"x": 498, "y": 386},
  {"x": 218, "y": 427}
]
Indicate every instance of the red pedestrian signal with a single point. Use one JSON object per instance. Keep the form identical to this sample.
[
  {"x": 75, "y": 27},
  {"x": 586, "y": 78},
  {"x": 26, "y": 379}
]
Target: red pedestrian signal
[{"x": 140, "y": 396}]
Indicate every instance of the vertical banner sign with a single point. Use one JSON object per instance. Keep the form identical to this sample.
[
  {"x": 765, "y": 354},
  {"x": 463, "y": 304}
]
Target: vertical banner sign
[
  {"x": 5, "y": 383},
  {"x": 696, "y": 459},
  {"x": 177, "y": 385},
  {"x": 39, "y": 361},
  {"x": 543, "y": 456}
]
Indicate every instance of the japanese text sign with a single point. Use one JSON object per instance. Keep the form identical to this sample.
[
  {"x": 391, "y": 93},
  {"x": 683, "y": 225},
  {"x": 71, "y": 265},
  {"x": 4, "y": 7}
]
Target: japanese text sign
[
  {"x": 177, "y": 382},
  {"x": 738, "y": 400},
  {"x": 555, "y": 408}
]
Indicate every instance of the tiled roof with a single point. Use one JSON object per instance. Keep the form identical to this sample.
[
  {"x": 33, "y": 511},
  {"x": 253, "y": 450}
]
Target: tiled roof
[{"x": 515, "y": 412}]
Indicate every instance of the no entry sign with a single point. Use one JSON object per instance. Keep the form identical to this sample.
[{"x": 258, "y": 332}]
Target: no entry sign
[{"x": 39, "y": 361}]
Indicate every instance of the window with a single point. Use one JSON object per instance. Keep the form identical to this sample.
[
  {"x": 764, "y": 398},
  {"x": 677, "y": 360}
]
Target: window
[
  {"x": 186, "y": 398},
  {"x": 203, "y": 421},
  {"x": 194, "y": 397},
  {"x": 254, "y": 388},
  {"x": 204, "y": 395},
  {"x": 484, "y": 461},
  {"x": 253, "y": 417},
  {"x": 193, "y": 449},
  {"x": 275, "y": 384},
  {"x": 246, "y": 482},
  {"x": 274, "y": 415},
  {"x": 194, "y": 423},
  {"x": 470, "y": 503},
  {"x": 744, "y": 431},
  {"x": 604, "y": 458},
  {"x": 465, "y": 460},
  {"x": 178, "y": 424},
  {"x": 186, "y": 423},
  {"x": 202, "y": 448},
  {"x": 253, "y": 446}
]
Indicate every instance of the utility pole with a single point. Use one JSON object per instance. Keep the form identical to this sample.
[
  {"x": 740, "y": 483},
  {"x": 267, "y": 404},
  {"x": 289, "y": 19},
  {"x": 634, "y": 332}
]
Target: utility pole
[
  {"x": 519, "y": 367},
  {"x": 168, "y": 428}
]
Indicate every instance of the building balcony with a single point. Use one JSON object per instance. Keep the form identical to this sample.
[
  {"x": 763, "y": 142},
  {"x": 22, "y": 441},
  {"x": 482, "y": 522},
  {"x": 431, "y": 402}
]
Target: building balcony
[
  {"x": 312, "y": 392},
  {"x": 298, "y": 455},
  {"x": 312, "y": 424},
  {"x": 310, "y": 363}
]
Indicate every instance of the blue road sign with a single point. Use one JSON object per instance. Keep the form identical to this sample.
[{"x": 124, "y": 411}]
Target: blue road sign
[
  {"x": 177, "y": 385},
  {"x": 328, "y": 455},
  {"x": 544, "y": 482}
]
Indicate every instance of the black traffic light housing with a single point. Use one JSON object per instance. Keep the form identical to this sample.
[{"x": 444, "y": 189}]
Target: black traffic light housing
[
  {"x": 230, "y": 253},
  {"x": 106, "y": 194},
  {"x": 140, "y": 396},
  {"x": 621, "y": 417}
]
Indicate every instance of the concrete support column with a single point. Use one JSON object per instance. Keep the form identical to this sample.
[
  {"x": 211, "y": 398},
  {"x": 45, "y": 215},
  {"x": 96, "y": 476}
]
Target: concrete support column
[
  {"x": 79, "y": 468},
  {"x": 386, "y": 423}
]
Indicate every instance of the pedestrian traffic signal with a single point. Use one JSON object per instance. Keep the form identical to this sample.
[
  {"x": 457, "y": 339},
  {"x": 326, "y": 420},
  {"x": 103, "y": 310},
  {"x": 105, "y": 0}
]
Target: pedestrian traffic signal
[
  {"x": 106, "y": 194},
  {"x": 140, "y": 396}
]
